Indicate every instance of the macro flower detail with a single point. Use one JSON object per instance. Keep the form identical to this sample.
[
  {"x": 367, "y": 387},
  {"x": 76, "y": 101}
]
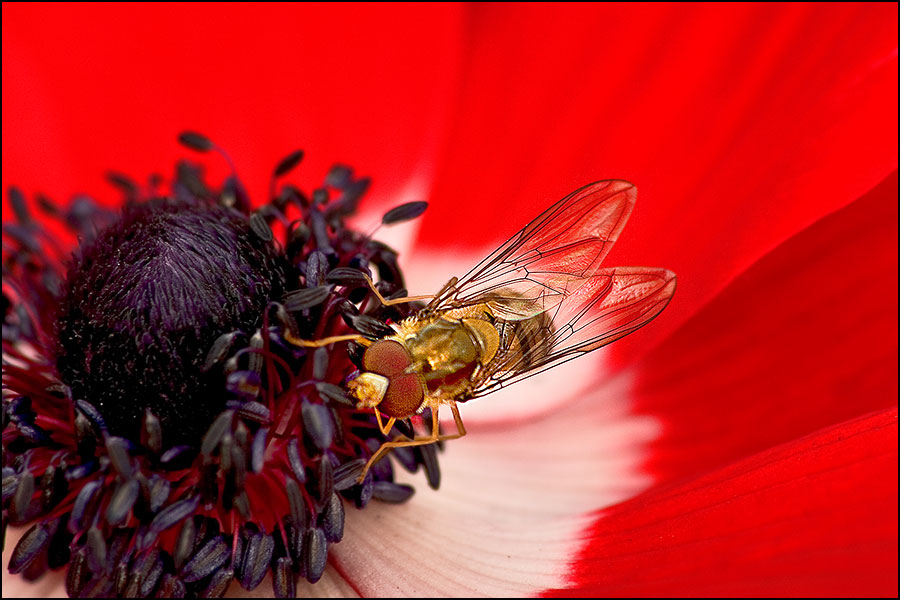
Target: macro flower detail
[
  {"x": 160, "y": 430},
  {"x": 539, "y": 300},
  {"x": 146, "y": 300},
  {"x": 196, "y": 380},
  {"x": 744, "y": 443}
]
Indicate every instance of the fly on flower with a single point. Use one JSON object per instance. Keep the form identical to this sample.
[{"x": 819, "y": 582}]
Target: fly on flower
[{"x": 542, "y": 298}]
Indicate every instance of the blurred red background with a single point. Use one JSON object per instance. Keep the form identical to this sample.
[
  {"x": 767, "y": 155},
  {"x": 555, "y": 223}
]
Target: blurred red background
[{"x": 739, "y": 124}]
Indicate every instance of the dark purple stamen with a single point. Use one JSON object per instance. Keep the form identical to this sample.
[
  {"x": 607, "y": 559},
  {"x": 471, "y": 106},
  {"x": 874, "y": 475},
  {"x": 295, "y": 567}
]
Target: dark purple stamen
[
  {"x": 155, "y": 389},
  {"x": 144, "y": 303}
]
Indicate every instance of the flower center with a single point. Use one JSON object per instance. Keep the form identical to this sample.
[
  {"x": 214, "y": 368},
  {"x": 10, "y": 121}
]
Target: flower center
[{"x": 145, "y": 300}]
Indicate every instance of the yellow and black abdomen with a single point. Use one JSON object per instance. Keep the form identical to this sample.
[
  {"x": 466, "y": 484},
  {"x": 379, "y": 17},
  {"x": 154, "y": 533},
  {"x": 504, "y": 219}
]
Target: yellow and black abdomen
[{"x": 523, "y": 343}]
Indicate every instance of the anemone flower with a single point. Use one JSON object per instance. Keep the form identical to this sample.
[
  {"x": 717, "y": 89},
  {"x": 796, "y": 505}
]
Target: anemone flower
[{"x": 745, "y": 443}]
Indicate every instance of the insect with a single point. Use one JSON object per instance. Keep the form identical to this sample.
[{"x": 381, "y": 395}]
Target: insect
[{"x": 540, "y": 299}]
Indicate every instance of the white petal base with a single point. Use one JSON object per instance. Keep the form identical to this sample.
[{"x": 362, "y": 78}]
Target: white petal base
[{"x": 512, "y": 504}]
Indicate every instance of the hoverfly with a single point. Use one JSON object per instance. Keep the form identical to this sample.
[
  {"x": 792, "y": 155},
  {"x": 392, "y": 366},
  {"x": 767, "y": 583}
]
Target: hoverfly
[{"x": 540, "y": 299}]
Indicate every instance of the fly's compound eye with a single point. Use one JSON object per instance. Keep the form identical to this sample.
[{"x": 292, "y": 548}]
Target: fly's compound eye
[
  {"x": 405, "y": 391},
  {"x": 386, "y": 357}
]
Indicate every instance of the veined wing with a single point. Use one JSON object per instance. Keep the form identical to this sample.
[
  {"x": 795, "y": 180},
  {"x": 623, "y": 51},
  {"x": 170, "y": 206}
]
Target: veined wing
[
  {"x": 563, "y": 246},
  {"x": 601, "y": 309}
]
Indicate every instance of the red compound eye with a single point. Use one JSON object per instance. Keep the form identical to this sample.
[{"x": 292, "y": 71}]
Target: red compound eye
[
  {"x": 386, "y": 357},
  {"x": 405, "y": 391},
  {"x": 404, "y": 396}
]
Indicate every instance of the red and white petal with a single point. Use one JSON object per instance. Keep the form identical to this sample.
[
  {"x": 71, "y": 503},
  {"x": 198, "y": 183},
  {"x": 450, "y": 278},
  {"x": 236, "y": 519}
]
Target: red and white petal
[
  {"x": 512, "y": 504},
  {"x": 750, "y": 160},
  {"x": 816, "y": 516},
  {"x": 514, "y": 498},
  {"x": 740, "y": 125},
  {"x": 806, "y": 338}
]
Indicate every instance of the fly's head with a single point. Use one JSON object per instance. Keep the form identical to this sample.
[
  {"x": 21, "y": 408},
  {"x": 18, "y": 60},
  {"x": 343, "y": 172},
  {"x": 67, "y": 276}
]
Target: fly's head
[{"x": 388, "y": 381}]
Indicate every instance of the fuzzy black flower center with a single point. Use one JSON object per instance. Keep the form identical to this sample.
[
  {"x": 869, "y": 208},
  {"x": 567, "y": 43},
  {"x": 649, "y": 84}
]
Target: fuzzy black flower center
[{"x": 143, "y": 303}]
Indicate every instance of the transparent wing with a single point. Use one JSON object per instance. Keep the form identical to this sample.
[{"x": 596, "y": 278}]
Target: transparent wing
[
  {"x": 562, "y": 247},
  {"x": 600, "y": 309}
]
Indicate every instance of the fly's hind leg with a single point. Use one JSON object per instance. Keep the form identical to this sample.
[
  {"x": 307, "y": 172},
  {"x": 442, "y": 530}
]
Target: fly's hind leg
[
  {"x": 386, "y": 302},
  {"x": 401, "y": 441},
  {"x": 356, "y": 337}
]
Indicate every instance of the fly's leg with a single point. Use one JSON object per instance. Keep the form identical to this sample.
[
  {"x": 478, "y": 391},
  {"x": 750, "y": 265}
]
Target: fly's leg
[
  {"x": 326, "y": 341},
  {"x": 386, "y": 302},
  {"x": 401, "y": 441},
  {"x": 385, "y": 429},
  {"x": 460, "y": 428},
  {"x": 356, "y": 337}
]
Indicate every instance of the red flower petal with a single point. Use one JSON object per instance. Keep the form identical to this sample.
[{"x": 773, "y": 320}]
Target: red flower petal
[
  {"x": 804, "y": 339},
  {"x": 87, "y": 88},
  {"x": 740, "y": 125},
  {"x": 815, "y": 517},
  {"x": 733, "y": 120}
]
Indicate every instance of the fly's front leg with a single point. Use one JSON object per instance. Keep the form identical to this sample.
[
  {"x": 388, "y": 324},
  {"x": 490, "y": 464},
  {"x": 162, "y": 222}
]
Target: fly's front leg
[
  {"x": 355, "y": 337},
  {"x": 401, "y": 441},
  {"x": 385, "y": 429}
]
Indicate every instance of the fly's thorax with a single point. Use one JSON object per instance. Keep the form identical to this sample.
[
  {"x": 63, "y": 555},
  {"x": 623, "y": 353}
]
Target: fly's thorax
[{"x": 450, "y": 352}]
